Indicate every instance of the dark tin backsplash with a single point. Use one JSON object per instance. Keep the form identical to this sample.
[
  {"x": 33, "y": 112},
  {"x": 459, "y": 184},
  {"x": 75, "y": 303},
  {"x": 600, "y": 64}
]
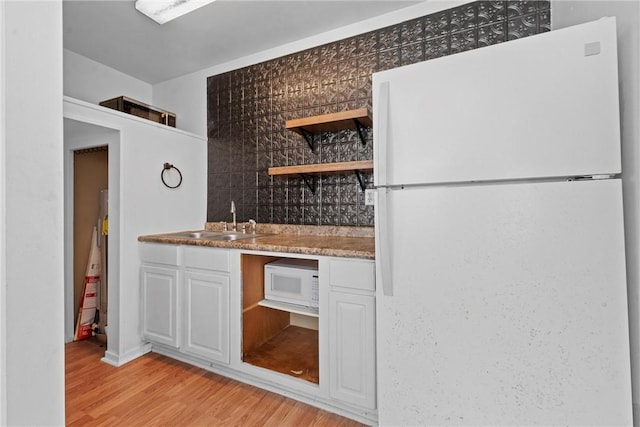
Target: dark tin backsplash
[{"x": 247, "y": 110}]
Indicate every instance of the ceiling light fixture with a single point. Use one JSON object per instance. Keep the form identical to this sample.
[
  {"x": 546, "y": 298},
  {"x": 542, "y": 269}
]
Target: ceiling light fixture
[{"x": 163, "y": 11}]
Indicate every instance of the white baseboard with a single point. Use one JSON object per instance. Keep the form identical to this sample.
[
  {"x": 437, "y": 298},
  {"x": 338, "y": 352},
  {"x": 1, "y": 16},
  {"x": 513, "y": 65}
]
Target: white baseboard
[{"x": 117, "y": 360}]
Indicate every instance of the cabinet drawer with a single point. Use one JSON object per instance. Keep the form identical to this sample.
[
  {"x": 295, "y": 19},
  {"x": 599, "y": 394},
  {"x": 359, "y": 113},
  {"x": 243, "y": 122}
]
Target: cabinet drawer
[
  {"x": 206, "y": 258},
  {"x": 352, "y": 273},
  {"x": 159, "y": 253}
]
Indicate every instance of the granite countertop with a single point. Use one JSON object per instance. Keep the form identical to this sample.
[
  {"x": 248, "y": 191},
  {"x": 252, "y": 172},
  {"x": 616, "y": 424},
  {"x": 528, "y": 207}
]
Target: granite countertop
[{"x": 349, "y": 242}]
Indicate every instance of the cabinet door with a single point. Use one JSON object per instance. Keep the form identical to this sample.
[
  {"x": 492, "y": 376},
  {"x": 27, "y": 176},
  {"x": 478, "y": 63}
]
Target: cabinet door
[
  {"x": 160, "y": 304},
  {"x": 352, "y": 348},
  {"x": 206, "y": 316}
]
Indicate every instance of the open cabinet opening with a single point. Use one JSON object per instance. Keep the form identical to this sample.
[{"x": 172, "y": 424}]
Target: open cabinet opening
[{"x": 275, "y": 339}]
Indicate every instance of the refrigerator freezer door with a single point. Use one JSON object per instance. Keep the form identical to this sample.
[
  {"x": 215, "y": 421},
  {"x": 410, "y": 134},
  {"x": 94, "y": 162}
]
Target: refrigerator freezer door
[
  {"x": 509, "y": 306},
  {"x": 542, "y": 106}
]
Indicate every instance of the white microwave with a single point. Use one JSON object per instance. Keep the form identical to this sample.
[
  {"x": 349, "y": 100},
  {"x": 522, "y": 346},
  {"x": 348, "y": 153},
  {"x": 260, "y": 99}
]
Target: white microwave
[{"x": 294, "y": 281}]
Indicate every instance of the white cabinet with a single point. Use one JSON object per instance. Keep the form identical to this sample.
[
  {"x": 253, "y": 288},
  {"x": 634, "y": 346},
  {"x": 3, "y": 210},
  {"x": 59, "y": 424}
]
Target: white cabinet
[
  {"x": 159, "y": 277},
  {"x": 160, "y": 304},
  {"x": 206, "y": 317},
  {"x": 352, "y": 332},
  {"x": 206, "y": 303},
  {"x": 198, "y": 303},
  {"x": 352, "y": 350},
  {"x": 185, "y": 299}
]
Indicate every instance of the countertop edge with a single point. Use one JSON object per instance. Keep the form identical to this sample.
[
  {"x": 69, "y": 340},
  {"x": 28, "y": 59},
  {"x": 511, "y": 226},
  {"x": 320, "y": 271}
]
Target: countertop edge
[{"x": 262, "y": 244}]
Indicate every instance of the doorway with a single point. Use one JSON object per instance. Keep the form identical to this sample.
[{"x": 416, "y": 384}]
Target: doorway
[
  {"x": 89, "y": 171},
  {"x": 90, "y": 215}
]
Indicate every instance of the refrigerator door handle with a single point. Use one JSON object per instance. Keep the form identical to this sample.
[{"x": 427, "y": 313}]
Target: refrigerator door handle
[
  {"x": 381, "y": 136},
  {"x": 383, "y": 243}
]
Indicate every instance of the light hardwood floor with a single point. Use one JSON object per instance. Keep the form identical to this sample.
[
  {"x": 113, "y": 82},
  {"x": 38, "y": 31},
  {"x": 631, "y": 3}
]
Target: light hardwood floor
[{"x": 154, "y": 390}]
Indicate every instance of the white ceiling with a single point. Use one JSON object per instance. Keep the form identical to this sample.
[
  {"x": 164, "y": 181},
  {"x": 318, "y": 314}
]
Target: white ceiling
[{"x": 114, "y": 33}]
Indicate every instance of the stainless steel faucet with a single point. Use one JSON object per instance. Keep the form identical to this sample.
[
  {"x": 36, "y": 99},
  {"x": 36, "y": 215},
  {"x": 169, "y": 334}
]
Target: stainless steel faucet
[{"x": 234, "y": 227}]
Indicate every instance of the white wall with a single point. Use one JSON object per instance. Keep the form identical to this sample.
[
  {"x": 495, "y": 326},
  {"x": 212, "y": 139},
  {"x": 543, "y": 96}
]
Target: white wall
[
  {"x": 33, "y": 222},
  {"x": 187, "y": 95},
  {"x": 94, "y": 82},
  {"x": 140, "y": 204},
  {"x": 3, "y": 279},
  {"x": 627, "y": 13}
]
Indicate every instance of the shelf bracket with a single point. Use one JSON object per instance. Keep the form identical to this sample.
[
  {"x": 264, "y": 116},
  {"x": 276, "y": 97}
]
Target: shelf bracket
[
  {"x": 309, "y": 137},
  {"x": 363, "y": 184},
  {"x": 311, "y": 182},
  {"x": 360, "y": 128}
]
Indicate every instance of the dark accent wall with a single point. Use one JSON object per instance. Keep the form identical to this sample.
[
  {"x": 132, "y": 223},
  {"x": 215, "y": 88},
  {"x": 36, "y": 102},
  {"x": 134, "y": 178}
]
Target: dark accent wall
[{"x": 247, "y": 110}]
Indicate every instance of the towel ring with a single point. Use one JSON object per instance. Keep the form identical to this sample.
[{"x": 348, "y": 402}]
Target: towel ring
[{"x": 166, "y": 167}]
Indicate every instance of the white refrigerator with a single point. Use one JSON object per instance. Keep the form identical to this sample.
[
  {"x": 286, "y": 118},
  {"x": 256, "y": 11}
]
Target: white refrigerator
[{"x": 501, "y": 287}]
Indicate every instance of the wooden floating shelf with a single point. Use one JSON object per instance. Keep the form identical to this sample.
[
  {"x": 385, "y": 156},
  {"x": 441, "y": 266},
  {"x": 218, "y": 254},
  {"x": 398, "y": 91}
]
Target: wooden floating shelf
[
  {"x": 322, "y": 168},
  {"x": 331, "y": 122},
  {"x": 291, "y": 308},
  {"x": 308, "y": 127}
]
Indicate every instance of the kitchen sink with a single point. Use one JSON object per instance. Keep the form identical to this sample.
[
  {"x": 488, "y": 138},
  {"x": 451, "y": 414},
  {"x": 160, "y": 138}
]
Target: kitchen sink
[
  {"x": 197, "y": 234},
  {"x": 235, "y": 236},
  {"x": 215, "y": 235}
]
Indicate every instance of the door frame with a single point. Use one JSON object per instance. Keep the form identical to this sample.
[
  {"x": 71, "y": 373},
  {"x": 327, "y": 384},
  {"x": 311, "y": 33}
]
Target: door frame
[{"x": 81, "y": 134}]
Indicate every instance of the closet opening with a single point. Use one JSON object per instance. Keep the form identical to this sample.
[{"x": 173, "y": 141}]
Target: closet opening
[{"x": 90, "y": 258}]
